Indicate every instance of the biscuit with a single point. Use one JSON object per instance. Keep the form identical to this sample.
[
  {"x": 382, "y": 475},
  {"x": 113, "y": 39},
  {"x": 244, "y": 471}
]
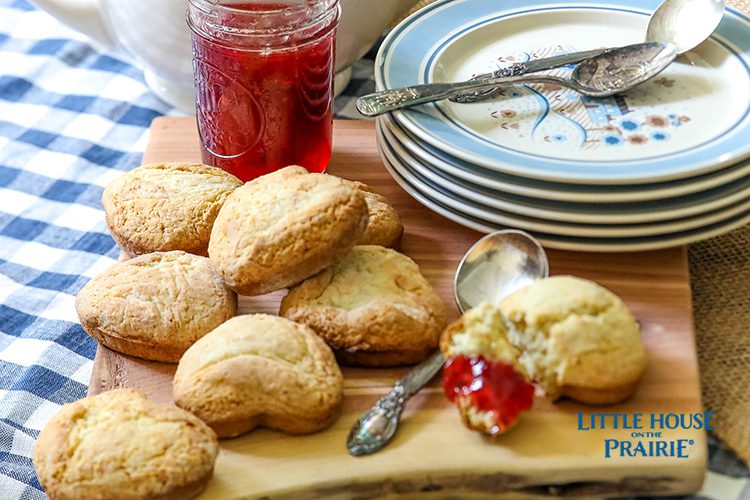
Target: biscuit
[
  {"x": 481, "y": 332},
  {"x": 283, "y": 227},
  {"x": 120, "y": 445},
  {"x": 577, "y": 339},
  {"x": 384, "y": 225},
  {"x": 373, "y": 307},
  {"x": 260, "y": 370},
  {"x": 166, "y": 206},
  {"x": 155, "y": 306}
]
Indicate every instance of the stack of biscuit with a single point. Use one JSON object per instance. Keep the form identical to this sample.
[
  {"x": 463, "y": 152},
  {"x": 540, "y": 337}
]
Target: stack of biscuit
[{"x": 197, "y": 237}]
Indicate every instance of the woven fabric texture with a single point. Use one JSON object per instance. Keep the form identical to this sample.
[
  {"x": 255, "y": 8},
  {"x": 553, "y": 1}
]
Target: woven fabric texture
[{"x": 720, "y": 277}]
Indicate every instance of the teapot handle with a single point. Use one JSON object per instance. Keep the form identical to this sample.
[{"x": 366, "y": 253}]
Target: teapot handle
[{"x": 84, "y": 16}]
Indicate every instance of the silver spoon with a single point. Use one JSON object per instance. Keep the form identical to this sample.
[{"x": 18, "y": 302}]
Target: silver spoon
[
  {"x": 494, "y": 267},
  {"x": 683, "y": 23},
  {"x": 611, "y": 72}
]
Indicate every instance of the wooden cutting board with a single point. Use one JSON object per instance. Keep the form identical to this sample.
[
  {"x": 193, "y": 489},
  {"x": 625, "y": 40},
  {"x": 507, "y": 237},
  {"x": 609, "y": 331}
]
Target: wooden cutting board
[{"x": 433, "y": 455}]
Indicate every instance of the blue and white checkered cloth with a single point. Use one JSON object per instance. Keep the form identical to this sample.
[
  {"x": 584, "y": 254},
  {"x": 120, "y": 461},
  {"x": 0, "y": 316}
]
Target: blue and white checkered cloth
[{"x": 71, "y": 120}]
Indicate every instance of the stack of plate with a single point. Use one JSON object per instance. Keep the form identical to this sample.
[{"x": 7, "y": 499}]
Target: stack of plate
[{"x": 664, "y": 165}]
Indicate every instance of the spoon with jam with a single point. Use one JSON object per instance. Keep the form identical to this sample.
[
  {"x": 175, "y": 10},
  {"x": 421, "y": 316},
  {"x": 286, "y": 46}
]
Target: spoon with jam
[{"x": 495, "y": 391}]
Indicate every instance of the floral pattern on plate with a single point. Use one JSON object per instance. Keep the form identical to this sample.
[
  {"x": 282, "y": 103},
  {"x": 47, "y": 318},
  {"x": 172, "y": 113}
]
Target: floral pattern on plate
[{"x": 554, "y": 116}]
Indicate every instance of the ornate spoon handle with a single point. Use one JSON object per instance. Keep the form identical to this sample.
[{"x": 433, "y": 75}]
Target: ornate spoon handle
[
  {"x": 393, "y": 99},
  {"x": 375, "y": 428}
]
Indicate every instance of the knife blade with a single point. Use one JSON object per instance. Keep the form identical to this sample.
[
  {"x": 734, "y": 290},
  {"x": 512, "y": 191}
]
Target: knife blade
[
  {"x": 523, "y": 68},
  {"x": 545, "y": 63}
]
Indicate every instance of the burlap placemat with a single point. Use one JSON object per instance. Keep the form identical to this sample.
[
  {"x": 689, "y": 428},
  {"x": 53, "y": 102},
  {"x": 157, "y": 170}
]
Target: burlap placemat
[
  {"x": 720, "y": 276},
  {"x": 743, "y": 5}
]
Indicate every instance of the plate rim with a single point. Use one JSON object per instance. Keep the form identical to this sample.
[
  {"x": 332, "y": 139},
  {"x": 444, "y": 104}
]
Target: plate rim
[
  {"x": 549, "y": 241},
  {"x": 565, "y": 229},
  {"x": 673, "y": 214},
  {"x": 468, "y": 174}
]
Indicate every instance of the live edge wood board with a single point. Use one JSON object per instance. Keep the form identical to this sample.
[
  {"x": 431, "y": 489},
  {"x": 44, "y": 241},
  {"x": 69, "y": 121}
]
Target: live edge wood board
[{"x": 433, "y": 455}]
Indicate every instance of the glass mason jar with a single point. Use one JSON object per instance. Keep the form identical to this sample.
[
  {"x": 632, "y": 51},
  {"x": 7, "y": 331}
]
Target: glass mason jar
[{"x": 264, "y": 83}]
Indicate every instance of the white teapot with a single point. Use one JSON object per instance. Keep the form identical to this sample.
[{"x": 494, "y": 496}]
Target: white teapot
[{"x": 156, "y": 36}]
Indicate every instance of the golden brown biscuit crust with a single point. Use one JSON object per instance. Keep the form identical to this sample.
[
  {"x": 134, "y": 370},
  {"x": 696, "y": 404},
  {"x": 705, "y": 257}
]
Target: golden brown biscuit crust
[
  {"x": 119, "y": 445},
  {"x": 453, "y": 328},
  {"x": 374, "y": 308},
  {"x": 260, "y": 370},
  {"x": 577, "y": 339},
  {"x": 281, "y": 228},
  {"x": 166, "y": 206},
  {"x": 384, "y": 227},
  {"x": 155, "y": 306}
]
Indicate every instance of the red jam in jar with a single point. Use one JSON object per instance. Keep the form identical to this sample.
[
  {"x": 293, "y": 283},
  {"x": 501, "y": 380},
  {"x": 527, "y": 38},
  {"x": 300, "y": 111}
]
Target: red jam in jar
[
  {"x": 491, "y": 387},
  {"x": 264, "y": 83}
]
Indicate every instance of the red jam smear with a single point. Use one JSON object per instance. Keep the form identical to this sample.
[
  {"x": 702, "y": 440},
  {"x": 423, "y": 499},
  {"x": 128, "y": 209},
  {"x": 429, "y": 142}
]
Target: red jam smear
[
  {"x": 259, "y": 111},
  {"x": 490, "y": 386}
]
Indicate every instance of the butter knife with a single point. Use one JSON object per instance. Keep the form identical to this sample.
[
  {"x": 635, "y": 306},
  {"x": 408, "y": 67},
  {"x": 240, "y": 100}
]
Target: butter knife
[{"x": 523, "y": 68}]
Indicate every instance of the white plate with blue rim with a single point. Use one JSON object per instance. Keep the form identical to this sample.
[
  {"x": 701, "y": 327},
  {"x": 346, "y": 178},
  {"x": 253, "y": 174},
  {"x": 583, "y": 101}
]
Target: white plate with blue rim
[
  {"x": 470, "y": 204},
  {"x": 573, "y": 243},
  {"x": 454, "y": 169},
  {"x": 702, "y": 207},
  {"x": 692, "y": 119}
]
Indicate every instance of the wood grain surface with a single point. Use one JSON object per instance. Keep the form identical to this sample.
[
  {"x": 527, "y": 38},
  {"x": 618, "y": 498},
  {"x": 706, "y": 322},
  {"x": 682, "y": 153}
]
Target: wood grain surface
[{"x": 433, "y": 455}]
